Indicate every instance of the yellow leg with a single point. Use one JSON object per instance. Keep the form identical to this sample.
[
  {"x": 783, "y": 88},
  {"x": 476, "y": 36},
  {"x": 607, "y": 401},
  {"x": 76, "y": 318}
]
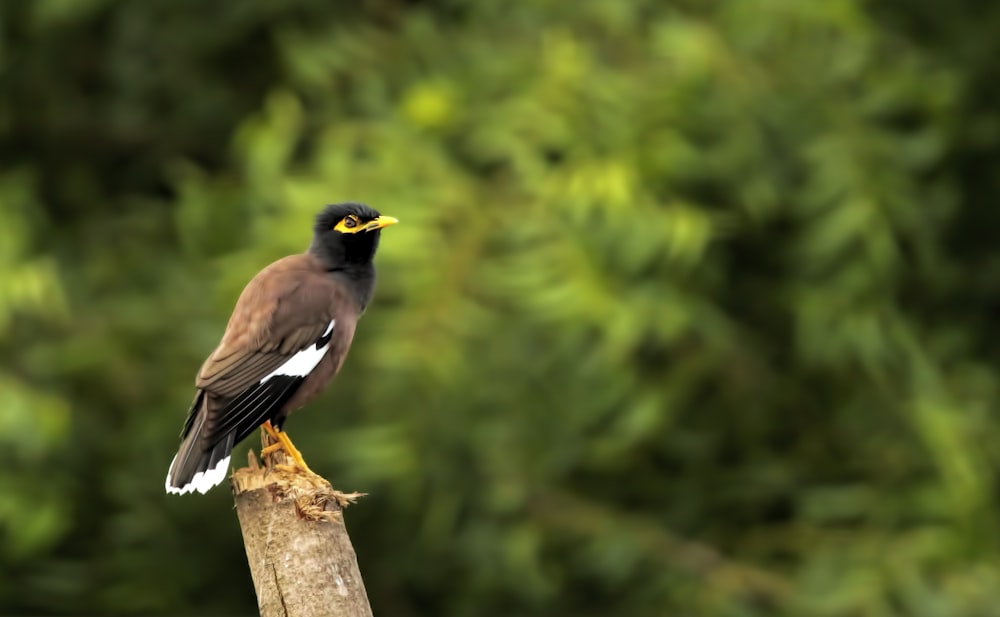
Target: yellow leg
[{"x": 284, "y": 443}]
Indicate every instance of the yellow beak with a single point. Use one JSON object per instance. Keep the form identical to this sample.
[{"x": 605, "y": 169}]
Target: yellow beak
[{"x": 379, "y": 223}]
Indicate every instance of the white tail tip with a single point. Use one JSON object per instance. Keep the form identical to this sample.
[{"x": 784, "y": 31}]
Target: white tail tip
[{"x": 202, "y": 481}]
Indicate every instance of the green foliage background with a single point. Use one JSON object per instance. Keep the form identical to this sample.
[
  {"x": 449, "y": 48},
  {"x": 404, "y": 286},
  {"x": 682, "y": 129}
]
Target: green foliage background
[{"x": 691, "y": 311}]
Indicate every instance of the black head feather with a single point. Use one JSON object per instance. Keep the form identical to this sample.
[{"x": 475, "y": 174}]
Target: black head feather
[{"x": 347, "y": 255}]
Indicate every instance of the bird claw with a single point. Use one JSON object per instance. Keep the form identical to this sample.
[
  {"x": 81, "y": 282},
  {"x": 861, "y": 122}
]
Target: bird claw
[
  {"x": 284, "y": 443},
  {"x": 295, "y": 469}
]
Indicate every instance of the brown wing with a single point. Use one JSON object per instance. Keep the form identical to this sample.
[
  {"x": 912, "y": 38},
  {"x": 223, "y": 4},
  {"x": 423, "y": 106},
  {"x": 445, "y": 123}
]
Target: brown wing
[
  {"x": 236, "y": 365},
  {"x": 287, "y": 309}
]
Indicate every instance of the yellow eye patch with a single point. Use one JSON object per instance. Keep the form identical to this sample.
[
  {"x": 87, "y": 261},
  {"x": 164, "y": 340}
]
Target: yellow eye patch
[{"x": 349, "y": 225}]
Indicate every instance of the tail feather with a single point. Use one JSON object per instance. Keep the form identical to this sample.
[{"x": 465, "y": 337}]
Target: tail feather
[
  {"x": 208, "y": 438},
  {"x": 194, "y": 467}
]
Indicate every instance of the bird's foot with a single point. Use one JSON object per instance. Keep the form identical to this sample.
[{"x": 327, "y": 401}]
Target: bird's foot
[{"x": 284, "y": 443}]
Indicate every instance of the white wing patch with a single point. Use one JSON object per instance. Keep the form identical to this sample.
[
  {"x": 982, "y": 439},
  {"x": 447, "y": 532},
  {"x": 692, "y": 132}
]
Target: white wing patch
[
  {"x": 202, "y": 481},
  {"x": 302, "y": 363}
]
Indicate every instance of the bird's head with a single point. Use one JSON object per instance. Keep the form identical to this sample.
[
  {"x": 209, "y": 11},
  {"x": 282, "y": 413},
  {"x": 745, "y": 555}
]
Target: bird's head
[{"x": 347, "y": 234}]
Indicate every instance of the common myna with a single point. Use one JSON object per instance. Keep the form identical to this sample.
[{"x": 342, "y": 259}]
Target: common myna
[{"x": 286, "y": 339}]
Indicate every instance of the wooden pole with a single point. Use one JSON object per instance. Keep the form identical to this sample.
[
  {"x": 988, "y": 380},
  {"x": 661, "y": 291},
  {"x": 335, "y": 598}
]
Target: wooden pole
[{"x": 301, "y": 558}]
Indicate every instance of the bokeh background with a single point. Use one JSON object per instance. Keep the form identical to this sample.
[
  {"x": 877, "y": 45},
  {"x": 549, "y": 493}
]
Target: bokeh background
[{"x": 692, "y": 310}]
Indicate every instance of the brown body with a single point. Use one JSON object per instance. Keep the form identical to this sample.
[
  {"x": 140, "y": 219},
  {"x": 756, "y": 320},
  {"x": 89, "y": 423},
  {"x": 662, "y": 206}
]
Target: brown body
[{"x": 284, "y": 310}]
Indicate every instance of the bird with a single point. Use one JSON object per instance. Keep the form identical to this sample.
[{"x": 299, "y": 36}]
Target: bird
[{"x": 286, "y": 339}]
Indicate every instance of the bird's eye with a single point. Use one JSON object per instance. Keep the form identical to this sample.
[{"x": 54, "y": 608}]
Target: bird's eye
[{"x": 350, "y": 222}]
